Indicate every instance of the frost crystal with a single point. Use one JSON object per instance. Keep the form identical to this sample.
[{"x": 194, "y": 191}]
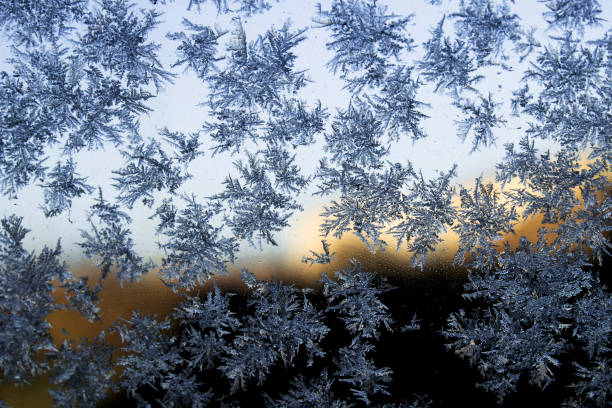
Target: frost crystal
[
  {"x": 364, "y": 38},
  {"x": 110, "y": 244},
  {"x": 64, "y": 186},
  {"x": 194, "y": 249}
]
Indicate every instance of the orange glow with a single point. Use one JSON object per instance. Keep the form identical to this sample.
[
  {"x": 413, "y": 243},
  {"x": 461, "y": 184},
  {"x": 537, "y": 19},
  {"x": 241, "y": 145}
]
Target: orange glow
[{"x": 152, "y": 297}]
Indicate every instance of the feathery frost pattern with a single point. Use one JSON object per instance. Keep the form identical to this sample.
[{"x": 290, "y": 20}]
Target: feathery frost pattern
[{"x": 533, "y": 315}]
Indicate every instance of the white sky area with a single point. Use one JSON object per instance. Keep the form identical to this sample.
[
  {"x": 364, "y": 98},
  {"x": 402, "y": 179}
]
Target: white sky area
[{"x": 177, "y": 108}]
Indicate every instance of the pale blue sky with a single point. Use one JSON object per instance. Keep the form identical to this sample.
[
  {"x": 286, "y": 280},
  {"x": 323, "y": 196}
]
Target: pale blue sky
[{"x": 176, "y": 108}]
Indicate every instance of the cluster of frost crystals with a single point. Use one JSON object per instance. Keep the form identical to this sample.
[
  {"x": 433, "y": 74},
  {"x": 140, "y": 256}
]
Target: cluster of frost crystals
[
  {"x": 354, "y": 296},
  {"x": 426, "y": 212},
  {"x": 258, "y": 80},
  {"x": 82, "y": 91},
  {"x": 29, "y": 119},
  {"x": 207, "y": 324},
  {"x": 394, "y": 199},
  {"x": 540, "y": 300},
  {"x": 82, "y": 373},
  {"x": 30, "y": 23},
  {"x": 568, "y": 197},
  {"x": 397, "y": 107},
  {"x": 257, "y": 73},
  {"x": 292, "y": 123},
  {"x": 109, "y": 242},
  {"x": 364, "y": 39},
  {"x": 313, "y": 393},
  {"x": 148, "y": 352},
  {"x": 481, "y": 220},
  {"x": 149, "y": 168},
  {"x": 116, "y": 40},
  {"x": 447, "y": 63},
  {"x": 27, "y": 283},
  {"x": 279, "y": 328},
  {"x": 250, "y": 7},
  {"x": 572, "y": 14},
  {"x": 83, "y": 298},
  {"x": 85, "y": 88},
  {"x": 594, "y": 384},
  {"x": 194, "y": 248},
  {"x": 371, "y": 191},
  {"x": 368, "y": 201},
  {"x": 197, "y": 50},
  {"x": 486, "y": 25},
  {"x": 287, "y": 175},
  {"x": 152, "y": 360},
  {"x": 549, "y": 188},
  {"x": 361, "y": 373},
  {"x": 63, "y": 186},
  {"x": 591, "y": 221},
  {"x": 232, "y": 128},
  {"x": 527, "y": 44},
  {"x": 571, "y": 108},
  {"x": 253, "y": 100},
  {"x": 281, "y": 325},
  {"x": 535, "y": 298},
  {"x": 356, "y": 137},
  {"x": 26, "y": 286},
  {"x": 479, "y": 120},
  {"x": 257, "y": 209}
]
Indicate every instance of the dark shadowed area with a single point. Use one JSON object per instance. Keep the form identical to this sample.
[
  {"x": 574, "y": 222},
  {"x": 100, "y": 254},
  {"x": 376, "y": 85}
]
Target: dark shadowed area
[{"x": 419, "y": 359}]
